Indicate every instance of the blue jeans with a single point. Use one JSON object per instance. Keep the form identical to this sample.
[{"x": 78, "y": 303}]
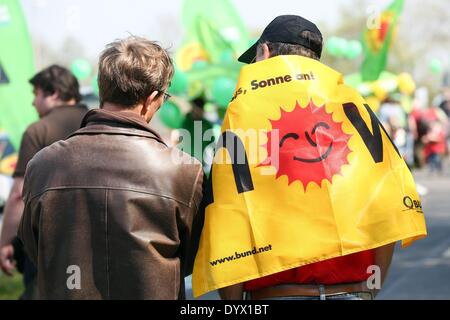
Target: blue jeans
[
  {"x": 323, "y": 296},
  {"x": 435, "y": 162},
  {"x": 344, "y": 296}
]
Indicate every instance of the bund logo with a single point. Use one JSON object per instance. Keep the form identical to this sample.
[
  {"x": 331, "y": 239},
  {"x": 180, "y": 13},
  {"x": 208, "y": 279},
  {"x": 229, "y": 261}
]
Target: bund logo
[{"x": 412, "y": 204}]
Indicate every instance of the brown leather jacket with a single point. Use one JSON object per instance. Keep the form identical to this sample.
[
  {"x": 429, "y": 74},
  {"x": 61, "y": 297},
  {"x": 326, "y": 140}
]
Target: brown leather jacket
[{"x": 114, "y": 201}]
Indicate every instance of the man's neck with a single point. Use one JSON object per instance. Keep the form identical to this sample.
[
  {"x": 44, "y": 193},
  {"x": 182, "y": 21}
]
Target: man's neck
[
  {"x": 58, "y": 105},
  {"x": 119, "y": 108}
]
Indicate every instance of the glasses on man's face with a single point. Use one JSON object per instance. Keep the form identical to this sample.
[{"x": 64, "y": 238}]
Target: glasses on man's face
[{"x": 166, "y": 96}]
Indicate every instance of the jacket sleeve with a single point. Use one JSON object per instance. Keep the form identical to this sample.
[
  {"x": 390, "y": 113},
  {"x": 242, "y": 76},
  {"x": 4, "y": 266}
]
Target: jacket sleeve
[
  {"x": 30, "y": 145},
  {"x": 28, "y": 231},
  {"x": 192, "y": 225}
]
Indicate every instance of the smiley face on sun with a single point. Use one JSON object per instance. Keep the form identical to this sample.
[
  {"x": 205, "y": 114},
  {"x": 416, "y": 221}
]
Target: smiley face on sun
[{"x": 311, "y": 146}]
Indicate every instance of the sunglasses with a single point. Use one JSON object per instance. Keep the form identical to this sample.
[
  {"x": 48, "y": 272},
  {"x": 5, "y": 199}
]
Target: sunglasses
[{"x": 166, "y": 96}]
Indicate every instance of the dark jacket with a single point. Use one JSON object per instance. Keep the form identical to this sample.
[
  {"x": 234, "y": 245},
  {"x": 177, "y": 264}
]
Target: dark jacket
[
  {"x": 57, "y": 124},
  {"x": 114, "y": 201}
]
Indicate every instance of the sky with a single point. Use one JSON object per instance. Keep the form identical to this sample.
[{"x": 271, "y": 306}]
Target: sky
[{"x": 97, "y": 22}]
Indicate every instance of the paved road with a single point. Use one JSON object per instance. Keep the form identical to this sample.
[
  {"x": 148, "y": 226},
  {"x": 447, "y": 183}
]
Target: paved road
[{"x": 421, "y": 271}]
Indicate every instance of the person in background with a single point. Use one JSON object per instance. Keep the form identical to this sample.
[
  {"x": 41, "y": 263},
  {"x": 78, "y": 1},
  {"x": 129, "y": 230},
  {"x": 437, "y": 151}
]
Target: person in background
[
  {"x": 444, "y": 105},
  {"x": 434, "y": 140},
  {"x": 397, "y": 124},
  {"x": 435, "y": 146},
  {"x": 57, "y": 101}
]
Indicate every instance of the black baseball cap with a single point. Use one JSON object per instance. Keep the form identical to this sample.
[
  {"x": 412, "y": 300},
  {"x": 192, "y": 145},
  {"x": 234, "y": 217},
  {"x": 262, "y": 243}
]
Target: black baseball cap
[{"x": 285, "y": 29}]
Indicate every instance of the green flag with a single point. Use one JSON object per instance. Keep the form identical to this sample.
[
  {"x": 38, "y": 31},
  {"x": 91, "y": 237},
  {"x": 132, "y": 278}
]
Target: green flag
[
  {"x": 213, "y": 29},
  {"x": 3, "y": 77},
  {"x": 377, "y": 41},
  {"x": 17, "y": 67}
]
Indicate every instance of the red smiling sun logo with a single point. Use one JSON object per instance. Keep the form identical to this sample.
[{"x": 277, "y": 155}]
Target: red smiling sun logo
[{"x": 311, "y": 146}]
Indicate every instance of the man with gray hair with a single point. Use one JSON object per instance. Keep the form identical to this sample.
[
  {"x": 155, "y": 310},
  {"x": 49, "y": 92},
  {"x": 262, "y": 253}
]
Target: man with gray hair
[{"x": 108, "y": 212}]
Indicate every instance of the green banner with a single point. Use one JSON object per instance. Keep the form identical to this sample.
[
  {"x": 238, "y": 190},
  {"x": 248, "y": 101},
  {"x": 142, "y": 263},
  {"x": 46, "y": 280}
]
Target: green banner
[
  {"x": 215, "y": 23},
  {"x": 213, "y": 29},
  {"x": 17, "y": 67},
  {"x": 3, "y": 77},
  {"x": 377, "y": 41}
]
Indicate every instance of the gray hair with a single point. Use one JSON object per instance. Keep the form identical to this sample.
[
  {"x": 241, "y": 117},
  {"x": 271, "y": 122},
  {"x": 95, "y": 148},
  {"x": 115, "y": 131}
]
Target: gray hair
[
  {"x": 131, "y": 69},
  {"x": 280, "y": 48}
]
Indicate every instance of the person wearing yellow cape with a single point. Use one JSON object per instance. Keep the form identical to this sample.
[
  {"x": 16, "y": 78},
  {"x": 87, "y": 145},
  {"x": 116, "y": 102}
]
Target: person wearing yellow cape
[{"x": 307, "y": 195}]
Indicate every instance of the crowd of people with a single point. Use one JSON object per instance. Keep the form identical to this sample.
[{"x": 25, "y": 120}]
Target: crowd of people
[{"x": 421, "y": 132}]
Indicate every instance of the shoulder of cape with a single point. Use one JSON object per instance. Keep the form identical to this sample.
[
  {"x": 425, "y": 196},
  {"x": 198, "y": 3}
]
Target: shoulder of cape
[{"x": 275, "y": 62}]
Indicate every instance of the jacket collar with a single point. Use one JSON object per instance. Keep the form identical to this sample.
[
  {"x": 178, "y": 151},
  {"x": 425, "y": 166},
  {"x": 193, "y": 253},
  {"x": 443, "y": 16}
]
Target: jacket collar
[{"x": 104, "y": 121}]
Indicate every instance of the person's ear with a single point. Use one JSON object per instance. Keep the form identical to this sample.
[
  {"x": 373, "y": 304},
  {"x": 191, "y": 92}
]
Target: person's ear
[
  {"x": 263, "y": 53},
  {"x": 151, "y": 105},
  {"x": 266, "y": 51},
  {"x": 53, "y": 97}
]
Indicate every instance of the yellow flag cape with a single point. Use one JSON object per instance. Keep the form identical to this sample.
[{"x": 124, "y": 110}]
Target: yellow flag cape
[{"x": 304, "y": 172}]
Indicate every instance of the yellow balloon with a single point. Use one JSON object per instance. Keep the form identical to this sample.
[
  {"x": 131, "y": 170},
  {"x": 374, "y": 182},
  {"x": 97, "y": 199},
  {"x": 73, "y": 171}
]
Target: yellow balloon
[
  {"x": 406, "y": 84},
  {"x": 189, "y": 54},
  {"x": 379, "y": 91},
  {"x": 373, "y": 103},
  {"x": 406, "y": 103}
]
